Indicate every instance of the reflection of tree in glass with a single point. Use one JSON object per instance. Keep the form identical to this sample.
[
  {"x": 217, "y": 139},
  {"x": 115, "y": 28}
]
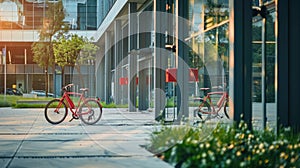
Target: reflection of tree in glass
[
  {"x": 216, "y": 43},
  {"x": 270, "y": 54}
]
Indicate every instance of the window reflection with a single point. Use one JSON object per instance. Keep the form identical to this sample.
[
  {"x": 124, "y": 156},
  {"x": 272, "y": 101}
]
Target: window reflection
[
  {"x": 263, "y": 45},
  {"x": 28, "y": 14},
  {"x": 209, "y": 45}
]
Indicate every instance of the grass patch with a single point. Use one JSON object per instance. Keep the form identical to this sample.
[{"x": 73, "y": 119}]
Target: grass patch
[
  {"x": 24, "y": 105},
  {"x": 113, "y": 105},
  {"x": 4, "y": 104},
  {"x": 12, "y": 101}
]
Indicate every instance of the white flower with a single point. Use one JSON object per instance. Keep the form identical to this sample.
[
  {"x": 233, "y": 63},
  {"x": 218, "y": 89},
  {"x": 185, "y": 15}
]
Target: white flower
[
  {"x": 261, "y": 146},
  {"x": 203, "y": 161},
  {"x": 242, "y": 164},
  {"x": 228, "y": 161}
]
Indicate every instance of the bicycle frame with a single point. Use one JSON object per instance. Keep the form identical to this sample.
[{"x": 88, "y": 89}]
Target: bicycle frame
[
  {"x": 70, "y": 102},
  {"x": 219, "y": 104}
]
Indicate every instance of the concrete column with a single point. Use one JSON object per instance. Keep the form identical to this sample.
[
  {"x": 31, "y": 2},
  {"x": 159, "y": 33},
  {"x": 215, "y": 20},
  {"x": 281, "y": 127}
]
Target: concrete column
[
  {"x": 118, "y": 59},
  {"x": 100, "y": 73},
  {"x": 124, "y": 71},
  {"x": 107, "y": 68},
  {"x": 132, "y": 59},
  {"x": 142, "y": 84}
]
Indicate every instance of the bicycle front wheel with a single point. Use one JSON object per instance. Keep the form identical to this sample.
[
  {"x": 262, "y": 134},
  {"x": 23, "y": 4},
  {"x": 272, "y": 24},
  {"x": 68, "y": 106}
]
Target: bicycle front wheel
[
  {"x": 55, "y": 111},
  {"x": 90, "y": 111}
]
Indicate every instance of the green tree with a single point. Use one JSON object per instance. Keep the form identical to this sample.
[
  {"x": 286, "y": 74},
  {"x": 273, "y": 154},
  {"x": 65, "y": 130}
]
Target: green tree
[
  {"x": 53, "y": 25},
  {"x": 74, "y": 51}
]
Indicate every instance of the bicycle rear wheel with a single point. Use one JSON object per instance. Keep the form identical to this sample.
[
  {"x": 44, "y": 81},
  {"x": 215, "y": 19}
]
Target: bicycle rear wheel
[
  {"x": 55, "y": 111},
  {"x": 226, "y": 110},
  {"x": 90, "y": 111},
  {"x": 204, "y": 111}
]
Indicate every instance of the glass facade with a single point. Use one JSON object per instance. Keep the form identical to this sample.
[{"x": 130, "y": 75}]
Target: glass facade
[
  {"x": 19, "y": 23},
  {"x": 103, "y": 9},
  {"x": 209, "y": 41},
  {"x": 29, "y": 14},
  {"x": 263, "y": 67},
  {"x": 209, "y": 47}
]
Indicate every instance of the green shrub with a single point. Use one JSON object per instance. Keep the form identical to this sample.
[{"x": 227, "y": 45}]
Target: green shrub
[
  {"x": 4, "y": 104},
  {"x": 24, "y": 105},
  {"x": 230, "y": 146}
]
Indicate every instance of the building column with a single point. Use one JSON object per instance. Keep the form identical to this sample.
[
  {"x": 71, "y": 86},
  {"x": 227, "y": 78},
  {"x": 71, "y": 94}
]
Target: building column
[
  {"x": 240, "y": 65},
  {"x": 100, "y": 73},
  {"x": 118, "y": 59},
  {"x": 107, "y": 69},
  {"x": 182, "y": 55},
  {"x": 160, "y": 59},
  {"x": 142, "y": 84},
  {"x": 288, "y": 64},
  {"x": 132, "y": 58}
]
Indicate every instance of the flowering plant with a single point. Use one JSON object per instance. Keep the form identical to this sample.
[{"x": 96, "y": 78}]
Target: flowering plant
[{"x": 233, "y": 146}]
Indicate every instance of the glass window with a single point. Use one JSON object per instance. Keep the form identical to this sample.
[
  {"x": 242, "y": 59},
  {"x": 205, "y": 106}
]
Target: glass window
[
  {"x": 29, "y": 14},
  {"x": 209, "y": 52},
  {"x": 263, "y": 72}
]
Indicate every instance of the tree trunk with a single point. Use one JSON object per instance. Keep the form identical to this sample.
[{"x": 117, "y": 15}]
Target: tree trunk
[
  {"x": 46, "y": 81},
  {"x": 63, "y": 77}
]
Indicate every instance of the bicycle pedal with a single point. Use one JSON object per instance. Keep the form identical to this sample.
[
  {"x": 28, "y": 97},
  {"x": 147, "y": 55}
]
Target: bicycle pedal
[{"x": 74, "y": 117}]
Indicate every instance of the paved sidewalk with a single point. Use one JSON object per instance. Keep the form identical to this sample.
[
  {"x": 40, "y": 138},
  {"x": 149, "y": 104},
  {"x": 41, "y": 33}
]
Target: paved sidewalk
[{"x": 116, "y": 141}]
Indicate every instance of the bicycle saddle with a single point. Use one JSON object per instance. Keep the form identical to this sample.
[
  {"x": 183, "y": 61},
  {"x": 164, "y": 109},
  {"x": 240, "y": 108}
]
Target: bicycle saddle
[{"x": 84, "y": 89}]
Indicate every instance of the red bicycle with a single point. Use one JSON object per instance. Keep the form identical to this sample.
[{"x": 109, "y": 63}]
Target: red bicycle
[
  {"x": 89, "y": 110},
  {"x": 212, "y": 103}
]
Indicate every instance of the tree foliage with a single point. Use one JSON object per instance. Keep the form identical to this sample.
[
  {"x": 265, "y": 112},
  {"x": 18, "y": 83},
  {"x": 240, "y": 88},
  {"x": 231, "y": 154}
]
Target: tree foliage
[
  {"x": 66, "y": 50},
  {"x": 52, "y": 25},
  {"x": 41, "y": 52},
  {"x": 74, "y": 51},
  {"x": 53, "y": 21}
]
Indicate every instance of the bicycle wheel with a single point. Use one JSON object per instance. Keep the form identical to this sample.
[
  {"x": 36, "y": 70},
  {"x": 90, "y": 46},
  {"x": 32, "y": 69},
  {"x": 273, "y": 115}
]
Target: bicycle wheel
[
  {"x": 226, "y": 110},
  {"x": 204, "y": 111},
  {"x": 90, "y": 111},
  {"x": 55, "y": 114}
]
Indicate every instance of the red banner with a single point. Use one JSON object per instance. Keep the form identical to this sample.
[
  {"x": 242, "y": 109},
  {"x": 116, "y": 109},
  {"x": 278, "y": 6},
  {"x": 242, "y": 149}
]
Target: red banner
[
  {"x": 124, "y": 81},
  {"x": 171, "y": 75}
]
